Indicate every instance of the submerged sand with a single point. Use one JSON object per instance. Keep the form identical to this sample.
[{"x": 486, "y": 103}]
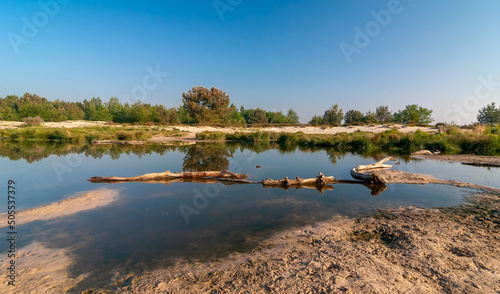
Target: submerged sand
[{"x": 81, "y": 202}]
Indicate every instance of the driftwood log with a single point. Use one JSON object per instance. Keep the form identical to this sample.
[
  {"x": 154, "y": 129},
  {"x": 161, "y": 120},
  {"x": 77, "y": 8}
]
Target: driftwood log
[
  {"x": 319, "y": 180},
  {"x": 228, "y": 178},
  {"x": 169, "y": 175},
  {"x": 375, "y": 165}
]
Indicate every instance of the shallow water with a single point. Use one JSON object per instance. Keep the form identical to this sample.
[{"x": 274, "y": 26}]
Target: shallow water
[{"x": 155, "y": 224}]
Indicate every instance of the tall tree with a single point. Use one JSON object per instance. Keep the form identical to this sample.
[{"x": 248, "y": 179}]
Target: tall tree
[
  {"x": 353, "y": 116},
  {"x": 256, "y": 116},
  {"x": 292, "y": 117},
  {"x": 413, "y": 113},
  {"x": 489, "y": 114},
  {"x": 206, "y": 105},
  {"x": 370, "y": 117},
  {"x": 334, "y": 115},
  {"x": 383, "y": 114}
]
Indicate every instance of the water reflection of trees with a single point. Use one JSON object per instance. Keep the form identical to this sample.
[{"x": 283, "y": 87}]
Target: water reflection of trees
[
  {"x": 207, "y": 157},
  {"x": 199, "y": 157},
  {"x": 36, "y": 151}
]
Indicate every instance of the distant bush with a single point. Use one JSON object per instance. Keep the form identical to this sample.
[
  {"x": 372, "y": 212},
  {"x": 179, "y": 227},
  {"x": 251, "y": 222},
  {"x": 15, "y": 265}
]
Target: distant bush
[{"x": 33, "y": 121}]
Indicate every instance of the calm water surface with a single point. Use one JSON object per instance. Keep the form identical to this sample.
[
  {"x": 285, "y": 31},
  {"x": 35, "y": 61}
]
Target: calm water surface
[{"x": 145, "y": 228}]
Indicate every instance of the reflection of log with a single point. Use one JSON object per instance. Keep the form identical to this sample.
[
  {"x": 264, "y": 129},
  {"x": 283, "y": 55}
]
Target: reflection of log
[
  {"x": 225, "y": 181},
  {"x": 123, "y": 142},
  {"x": 379, "y": 164},
  {"x": 484, "y": 164},
  {"x": 377, "y": 189},
  {"x": 169, "y": 175},
  {"x": 321, "y": 188}
]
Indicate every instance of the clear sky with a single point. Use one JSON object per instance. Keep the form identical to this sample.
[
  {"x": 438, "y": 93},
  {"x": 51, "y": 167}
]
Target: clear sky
[{"x": 300, "y": 54}]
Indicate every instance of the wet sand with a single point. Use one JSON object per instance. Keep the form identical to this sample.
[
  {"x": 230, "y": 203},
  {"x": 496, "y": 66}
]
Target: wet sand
[
  {"x": 80, "y": 202},
  {"x": 469, "y": 159}
]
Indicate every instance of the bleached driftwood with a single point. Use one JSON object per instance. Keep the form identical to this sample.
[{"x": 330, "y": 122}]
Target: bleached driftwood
[
  {"x": 169, "y": 175},
  {"x": 228, "y": 178},
  {"x": 320, "y": 179},
  {"x": 375, "y": 165}
]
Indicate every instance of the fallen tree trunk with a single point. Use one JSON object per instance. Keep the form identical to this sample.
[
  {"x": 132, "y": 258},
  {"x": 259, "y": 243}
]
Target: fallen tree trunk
[
  {"x": 319, "y": 180},
  {"x": 379, "y": 164},
  {"x": 228, "y": 178},
  {"x": 169, "y": 175}
]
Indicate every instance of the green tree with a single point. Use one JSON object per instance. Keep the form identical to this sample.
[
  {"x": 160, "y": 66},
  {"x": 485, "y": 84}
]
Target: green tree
[
  {"x": 370, "y": 118},
  {"x": 95, "y": 110},
  {"x": 383, "y": 114},
  {"x": 116, "y": 110},
  {"x": 292, "y": 117},
  {"x": 275, "y": 117},
  {"x": 334, "y": 115},
  {"x": 139, "y": 113},
  {"x": 206, "y": 105},
  {"x": 9, "y": 108},
  {"x": 234, "y": 117},
  {"x": 256, "y": 116},
  {"x": 353, "y": 116},
  {"x": 316, "y": 120},
  {"x": 489, "y": 114},
  {"x": 413, "y": 113}
]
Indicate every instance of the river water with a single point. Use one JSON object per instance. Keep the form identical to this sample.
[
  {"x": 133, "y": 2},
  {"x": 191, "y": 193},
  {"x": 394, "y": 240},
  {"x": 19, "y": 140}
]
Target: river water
[{"x": 155, "y": 224}]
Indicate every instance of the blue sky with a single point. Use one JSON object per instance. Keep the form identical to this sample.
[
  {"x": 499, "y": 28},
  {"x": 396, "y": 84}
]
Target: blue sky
[{"x": 276, "y": 55}]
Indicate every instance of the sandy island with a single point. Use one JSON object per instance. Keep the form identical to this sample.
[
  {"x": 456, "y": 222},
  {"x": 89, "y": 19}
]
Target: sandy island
[
  {"x": 81, "y": 202},
  {"x": 46, "y": 270}
]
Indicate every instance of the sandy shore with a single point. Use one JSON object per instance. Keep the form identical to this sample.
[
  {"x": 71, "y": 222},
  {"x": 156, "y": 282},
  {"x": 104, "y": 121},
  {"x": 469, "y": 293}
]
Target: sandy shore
[
  {"x": 408, "y": 250},
  {"x": 193, "y": 130},
  {"x": 469, "y": 159},
  {"x": 63, "y": 124},
  {"x": 40, "y": 270},
  {"x": 81, "y": 202}
]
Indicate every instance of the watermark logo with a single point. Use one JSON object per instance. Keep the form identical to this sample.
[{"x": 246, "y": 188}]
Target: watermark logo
[
  {"x": 223, "y": 6},
  {"x": 201, "y": 200},
  {"x": 31, "y": 26},
  {"x": 150, "y": 82},
  {"x": 71, "y": 161},
  {"x": 371, "y": 30},
  {"x": 485, "y": 88}
]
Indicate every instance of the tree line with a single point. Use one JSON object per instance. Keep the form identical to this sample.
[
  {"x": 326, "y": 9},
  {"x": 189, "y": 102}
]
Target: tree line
[
  {"x": 412, "y": 114},
  {"x": 202, "y": 105}
]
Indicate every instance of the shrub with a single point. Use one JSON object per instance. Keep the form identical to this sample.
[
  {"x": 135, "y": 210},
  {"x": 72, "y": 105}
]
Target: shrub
[{"x": 33, "y": 121}]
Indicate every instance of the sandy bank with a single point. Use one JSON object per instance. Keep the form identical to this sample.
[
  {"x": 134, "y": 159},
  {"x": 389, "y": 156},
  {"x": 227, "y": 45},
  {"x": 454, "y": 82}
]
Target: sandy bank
[
  {"x": 89, "y": 200},
  {"x": 40, "y": 270},
  {"x": 469, "y": 159},
  {"x": 309, "y": 129},
  {"x": 191, "y": 131},
  {"x": 63, "y": 124}
]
